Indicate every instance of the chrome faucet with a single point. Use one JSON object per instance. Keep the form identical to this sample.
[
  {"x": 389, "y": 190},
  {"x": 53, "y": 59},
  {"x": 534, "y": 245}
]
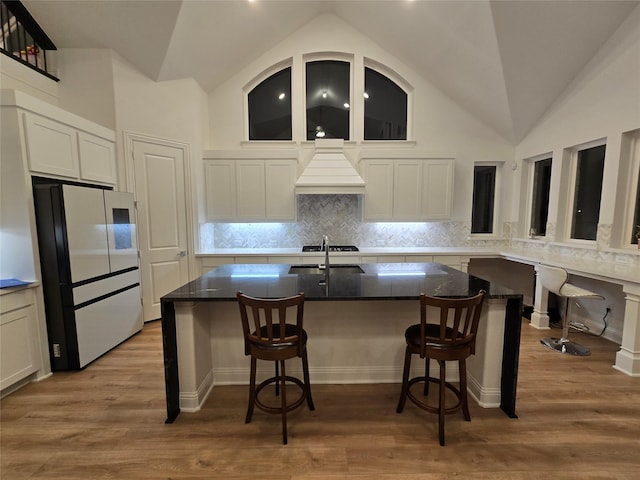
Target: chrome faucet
[{"x": 325, "y": 248}]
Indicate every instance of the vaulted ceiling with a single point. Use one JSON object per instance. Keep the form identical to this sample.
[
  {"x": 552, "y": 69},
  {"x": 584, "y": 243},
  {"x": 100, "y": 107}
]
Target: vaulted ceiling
[{"x": 506, "y": 62}]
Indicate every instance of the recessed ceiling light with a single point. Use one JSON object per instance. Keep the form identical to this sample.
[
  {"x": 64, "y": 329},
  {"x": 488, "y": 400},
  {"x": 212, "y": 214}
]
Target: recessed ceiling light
[
  {"x": 324, "y": 94},
  {"x": 346, "y": 105},
  {"x": 282, "y": 95},
  {"x": 365, "y": 95}
]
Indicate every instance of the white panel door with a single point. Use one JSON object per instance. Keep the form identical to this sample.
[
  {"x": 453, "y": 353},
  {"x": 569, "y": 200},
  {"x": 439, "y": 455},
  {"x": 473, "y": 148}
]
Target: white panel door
[
  {"x": 162, "y": 221},
  {"x": 86, "y": 232}
]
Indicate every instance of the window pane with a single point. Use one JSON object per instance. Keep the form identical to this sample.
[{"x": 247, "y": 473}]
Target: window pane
[
  {"x": 484, "y": 187},
  {"x": 270, "y": 108},
  {"x": 328, "y": 99},
  {"x": 385, "y": 108},
  {"x": 636, "y": 217},
  {"x": 586, "y": 204},
  {"x": 540, "y": 200}
]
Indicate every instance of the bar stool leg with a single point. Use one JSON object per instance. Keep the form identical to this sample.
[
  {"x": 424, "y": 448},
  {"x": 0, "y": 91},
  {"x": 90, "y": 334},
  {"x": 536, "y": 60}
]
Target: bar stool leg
[{"x": 564, "y": 345}]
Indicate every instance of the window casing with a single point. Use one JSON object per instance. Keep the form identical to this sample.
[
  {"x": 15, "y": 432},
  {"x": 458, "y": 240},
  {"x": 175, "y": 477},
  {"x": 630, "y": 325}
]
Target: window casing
[
  {"x": 587, "y": 175},
  {"x": 485, "y": 198},
  {"x": 540, "y": 190}
]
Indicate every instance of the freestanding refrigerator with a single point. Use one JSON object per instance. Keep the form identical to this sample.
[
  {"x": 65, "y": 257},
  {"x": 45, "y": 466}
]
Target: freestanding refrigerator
[{"x": 89, "y": 261}]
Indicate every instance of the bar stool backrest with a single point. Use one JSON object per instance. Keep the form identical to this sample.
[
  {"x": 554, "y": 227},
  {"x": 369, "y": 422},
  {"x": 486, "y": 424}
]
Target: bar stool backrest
[
  {"x": 552, "y": 278},
  {"x": 264, "y": 321}
]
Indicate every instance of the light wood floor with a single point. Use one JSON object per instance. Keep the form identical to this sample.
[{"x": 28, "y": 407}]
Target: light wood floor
[{"x": 578, "y": 419}]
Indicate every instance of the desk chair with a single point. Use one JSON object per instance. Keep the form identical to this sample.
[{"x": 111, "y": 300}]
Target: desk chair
[
  {"x": 555, "y": 279},
  {"x": 268, "y": 336},
  {"x": 452, "y": 338}
]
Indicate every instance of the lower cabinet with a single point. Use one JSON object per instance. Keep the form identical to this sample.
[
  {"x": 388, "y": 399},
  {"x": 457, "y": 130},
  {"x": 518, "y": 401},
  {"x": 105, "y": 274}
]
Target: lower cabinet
[{"x": 19, "y": 354}]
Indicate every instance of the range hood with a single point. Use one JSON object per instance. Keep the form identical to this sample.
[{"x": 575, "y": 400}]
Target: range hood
[{"x": 329, "y": 171}]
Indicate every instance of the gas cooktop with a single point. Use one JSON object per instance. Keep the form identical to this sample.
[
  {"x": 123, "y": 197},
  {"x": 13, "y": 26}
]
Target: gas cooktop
[{"x": 332, "y": 248}]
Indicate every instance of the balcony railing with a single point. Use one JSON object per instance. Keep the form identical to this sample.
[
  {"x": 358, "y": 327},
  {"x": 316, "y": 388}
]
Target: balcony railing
[{"x": 22, "y": 38}]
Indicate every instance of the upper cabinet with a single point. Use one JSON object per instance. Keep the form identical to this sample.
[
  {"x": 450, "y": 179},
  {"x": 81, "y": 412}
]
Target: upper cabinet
[
  {"x": 249, "y": 189},
  {"x": 60, "y": 144},
  {"x": 407, "y": 189}
]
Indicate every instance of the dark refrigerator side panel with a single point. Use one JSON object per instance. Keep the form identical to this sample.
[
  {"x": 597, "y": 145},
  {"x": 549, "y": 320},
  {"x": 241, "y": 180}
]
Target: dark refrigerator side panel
[{"x": 56, "y": 276}]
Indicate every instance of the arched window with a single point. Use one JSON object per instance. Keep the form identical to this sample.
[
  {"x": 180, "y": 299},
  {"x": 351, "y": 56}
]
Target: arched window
[
  {"x": 269, "y": 105},
  {"x": 385, "y": 108}
]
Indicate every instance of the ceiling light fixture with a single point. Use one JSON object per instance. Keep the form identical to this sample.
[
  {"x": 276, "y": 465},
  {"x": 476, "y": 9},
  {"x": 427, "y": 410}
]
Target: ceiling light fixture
[
  {"x": 365, "y": 95},
  {"x": 324, "y": 94},
  {"x": 346, "y": 105},
  {"x": 281, "y": 96}
]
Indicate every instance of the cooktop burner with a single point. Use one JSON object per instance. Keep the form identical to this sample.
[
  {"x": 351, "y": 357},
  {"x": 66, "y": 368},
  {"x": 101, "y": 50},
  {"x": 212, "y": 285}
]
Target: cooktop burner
[{"x": 332, "y": 248}]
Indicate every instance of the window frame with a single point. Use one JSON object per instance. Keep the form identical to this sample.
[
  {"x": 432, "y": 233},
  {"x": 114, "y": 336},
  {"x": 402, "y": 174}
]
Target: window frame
[
  {"x": 571, "y": 190},
  {"x": 530, "y": 192},
  {"x": 320, "y": 57},
  {"x": 633, "y": 190},
  {"x": 253, "y": 83},
  {"x": 496, "y": 200},
  {"x": 406, "y": 87}
]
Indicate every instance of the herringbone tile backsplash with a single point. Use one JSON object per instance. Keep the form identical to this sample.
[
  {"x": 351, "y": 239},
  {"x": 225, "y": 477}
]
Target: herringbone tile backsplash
[{"x": 339, "y": 217}]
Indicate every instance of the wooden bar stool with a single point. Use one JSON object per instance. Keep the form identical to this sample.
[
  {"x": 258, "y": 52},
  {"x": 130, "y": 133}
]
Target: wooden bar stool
[
  {"x": 453, "y": 338},
  {"x": 268, "y": 336},
  {"x": 555, "y": 280}
]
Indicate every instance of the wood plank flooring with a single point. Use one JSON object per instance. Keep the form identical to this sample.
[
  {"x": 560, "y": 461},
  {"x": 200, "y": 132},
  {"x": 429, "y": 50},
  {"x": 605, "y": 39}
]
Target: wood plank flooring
[{"x": 578, "y": 419}]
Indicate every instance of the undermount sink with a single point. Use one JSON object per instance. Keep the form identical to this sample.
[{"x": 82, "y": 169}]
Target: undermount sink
[{"x": 315, "y": 270}]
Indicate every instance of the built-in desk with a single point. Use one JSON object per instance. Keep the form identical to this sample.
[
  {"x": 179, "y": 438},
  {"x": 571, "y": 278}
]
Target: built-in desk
[
  {"x": 628, "y": 276},
  {"x": 371, "y": 308}
]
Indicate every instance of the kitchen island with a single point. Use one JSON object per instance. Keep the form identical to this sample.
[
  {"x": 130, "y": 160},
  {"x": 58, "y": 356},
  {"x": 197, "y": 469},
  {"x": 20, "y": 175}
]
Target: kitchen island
[{"x": 355, "y": 317}]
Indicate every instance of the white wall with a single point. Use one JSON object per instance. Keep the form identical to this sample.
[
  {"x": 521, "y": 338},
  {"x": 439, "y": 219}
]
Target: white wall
[
  {"x": 440, "y": 125},
  {"x": 15, "y": 76},
  {"x": 86, "y": 86},
  {"x": 602, "y": 102}
]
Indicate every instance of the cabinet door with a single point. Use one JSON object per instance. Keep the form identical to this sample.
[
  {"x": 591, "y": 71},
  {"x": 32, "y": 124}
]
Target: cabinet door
[
  {"x": 19, "y": 355},
  {"x": 51, "y": 146},
  {"x": 220, "y": 189},
  {"x": 407, "y": 190},
  {"x": 378, "y": 197},
  {"x": 437, "y": 189},
  {"x": 97, "y": 158},
  {"x": 280, "y": 178},
  {"x": 250, "y": 190}
]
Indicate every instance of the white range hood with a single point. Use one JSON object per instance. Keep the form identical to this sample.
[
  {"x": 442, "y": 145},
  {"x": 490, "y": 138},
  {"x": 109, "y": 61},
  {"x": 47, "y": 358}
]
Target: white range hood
[{"x": 329, "y": 171}]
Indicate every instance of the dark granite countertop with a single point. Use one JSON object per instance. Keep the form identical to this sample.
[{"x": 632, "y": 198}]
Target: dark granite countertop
[{"x": 378, "y": 281}]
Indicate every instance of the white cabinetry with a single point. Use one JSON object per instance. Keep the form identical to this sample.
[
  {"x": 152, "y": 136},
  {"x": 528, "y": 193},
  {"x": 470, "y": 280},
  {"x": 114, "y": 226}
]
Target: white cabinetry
[
  {"x": 97, "y": 158},
  {"x": 19, "y": 354},
  {"x": 255, "y": 189},
  {"x": 61, "y": 144},
  {"x": 51, "y": 146},
  {"x": 413, "y": 189}
]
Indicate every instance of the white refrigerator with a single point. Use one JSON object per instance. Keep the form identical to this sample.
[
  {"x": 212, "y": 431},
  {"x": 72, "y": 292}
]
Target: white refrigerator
[{"x": 89, "y": 261}]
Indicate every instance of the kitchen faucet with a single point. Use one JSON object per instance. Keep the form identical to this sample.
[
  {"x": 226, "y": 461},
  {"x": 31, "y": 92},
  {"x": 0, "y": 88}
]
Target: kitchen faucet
[{"x": 325, "y": 248}]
